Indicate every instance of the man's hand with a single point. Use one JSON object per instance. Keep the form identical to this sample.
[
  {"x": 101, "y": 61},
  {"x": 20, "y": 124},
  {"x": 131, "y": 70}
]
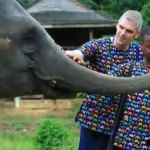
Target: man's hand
[{"x": 76, "y": 56}]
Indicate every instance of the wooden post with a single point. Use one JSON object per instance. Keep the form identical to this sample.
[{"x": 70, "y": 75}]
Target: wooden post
[
  {"x": 91, "y": 34},
  {"x": 17, "y": 101}
]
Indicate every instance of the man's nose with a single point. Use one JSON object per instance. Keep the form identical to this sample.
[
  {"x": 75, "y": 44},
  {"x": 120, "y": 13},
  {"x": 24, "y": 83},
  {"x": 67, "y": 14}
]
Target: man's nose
[{"x": 123, "y": 32}]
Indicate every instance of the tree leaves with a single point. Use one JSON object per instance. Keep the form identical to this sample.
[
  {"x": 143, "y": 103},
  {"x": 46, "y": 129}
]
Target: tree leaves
[
  {"x": 146, "y": 13},
  {"x": 26, "y": 3}
]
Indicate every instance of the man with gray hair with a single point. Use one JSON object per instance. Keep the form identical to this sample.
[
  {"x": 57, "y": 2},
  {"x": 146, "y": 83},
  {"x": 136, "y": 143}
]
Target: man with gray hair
[{"x": 97, "y": 113}]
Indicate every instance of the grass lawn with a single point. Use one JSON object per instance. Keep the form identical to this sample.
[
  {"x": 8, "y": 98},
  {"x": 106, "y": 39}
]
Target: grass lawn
[{"x": 16, "y": 131}]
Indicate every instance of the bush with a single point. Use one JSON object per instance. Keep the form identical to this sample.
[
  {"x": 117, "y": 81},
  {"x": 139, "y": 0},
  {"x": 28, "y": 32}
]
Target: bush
[
  {"x": 51, "y": 135},
  {"x": 80, "y": 95}
]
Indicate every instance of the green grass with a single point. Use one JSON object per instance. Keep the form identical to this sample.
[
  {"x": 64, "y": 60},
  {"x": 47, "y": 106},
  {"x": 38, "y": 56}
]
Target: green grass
[
  {"x": 16, "y": 132},
  {"x": 18, "y": 143}
]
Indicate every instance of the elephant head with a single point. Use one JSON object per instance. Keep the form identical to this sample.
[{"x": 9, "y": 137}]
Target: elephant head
[{"x": 32, "y": 63}]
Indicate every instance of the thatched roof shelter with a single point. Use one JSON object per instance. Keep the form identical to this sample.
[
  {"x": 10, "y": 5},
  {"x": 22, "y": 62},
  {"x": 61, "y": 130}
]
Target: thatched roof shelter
[{"x": 67, "y": 13}]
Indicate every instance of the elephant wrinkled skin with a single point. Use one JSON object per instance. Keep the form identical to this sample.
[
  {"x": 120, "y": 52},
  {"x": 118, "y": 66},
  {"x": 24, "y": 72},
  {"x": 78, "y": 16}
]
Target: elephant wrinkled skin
[{"x": 32, "y": 63}]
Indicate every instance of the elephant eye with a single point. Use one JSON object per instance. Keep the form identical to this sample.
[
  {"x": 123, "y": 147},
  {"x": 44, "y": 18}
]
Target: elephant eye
[
  {"x": 28, "y": 47},
  {"x": 29, "y": 42}
]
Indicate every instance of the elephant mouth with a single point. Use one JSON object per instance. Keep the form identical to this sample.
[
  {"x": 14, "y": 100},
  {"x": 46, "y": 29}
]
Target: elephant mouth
[
  {"x": 42, "y": 77},
  {"x": 55, "y": 88}
]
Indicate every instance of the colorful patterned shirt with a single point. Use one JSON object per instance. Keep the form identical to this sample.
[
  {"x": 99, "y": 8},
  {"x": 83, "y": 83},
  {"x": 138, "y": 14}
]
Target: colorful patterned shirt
[
  {"x": 134, "y": 129},
  {"x": 98, "y": 112}
]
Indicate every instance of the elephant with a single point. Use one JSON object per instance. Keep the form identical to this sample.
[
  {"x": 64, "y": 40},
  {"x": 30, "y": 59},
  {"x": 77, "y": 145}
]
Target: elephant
[{"x": 32, "y": 63}]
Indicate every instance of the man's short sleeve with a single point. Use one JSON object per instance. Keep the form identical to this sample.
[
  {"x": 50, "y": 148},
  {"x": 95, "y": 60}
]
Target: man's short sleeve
[{"x": 89, "y": 49}]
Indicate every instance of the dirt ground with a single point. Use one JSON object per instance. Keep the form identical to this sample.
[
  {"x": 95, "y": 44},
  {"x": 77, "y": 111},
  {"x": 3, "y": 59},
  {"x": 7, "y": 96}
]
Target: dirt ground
[
  {"x": 8, "y": 109},
  {"x": 25, "y": 121},
  {"x": 33, "y": 112}
]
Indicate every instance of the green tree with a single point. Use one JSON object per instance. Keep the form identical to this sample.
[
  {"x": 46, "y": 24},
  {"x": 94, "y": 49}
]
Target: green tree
[
  {"x": 146, "y": 14},
  {"x": 117, "y": 7},
  {"x": 114, "y": 8},
  {"x": 26, "y": 3},
  {"x": 90, "y": 4}
]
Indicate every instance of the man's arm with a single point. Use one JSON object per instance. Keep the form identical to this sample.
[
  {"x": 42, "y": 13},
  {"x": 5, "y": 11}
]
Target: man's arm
[{"x": 86, "y": 52}]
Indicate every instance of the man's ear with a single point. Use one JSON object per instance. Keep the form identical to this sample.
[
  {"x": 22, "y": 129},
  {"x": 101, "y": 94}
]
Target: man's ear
[{"x": 137, "y": 34}]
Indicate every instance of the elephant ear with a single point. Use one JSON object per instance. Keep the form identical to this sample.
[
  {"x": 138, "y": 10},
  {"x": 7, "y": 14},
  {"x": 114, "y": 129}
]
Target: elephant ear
[
  {"x": 6, "y": 45},
  {"x": 7, "y": 49}
]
